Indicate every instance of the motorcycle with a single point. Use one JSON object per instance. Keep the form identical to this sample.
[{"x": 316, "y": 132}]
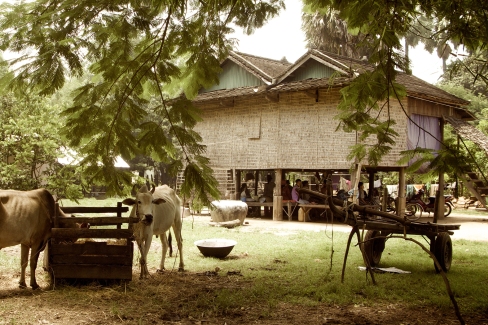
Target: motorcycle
[{"x": 416, "y": 205}]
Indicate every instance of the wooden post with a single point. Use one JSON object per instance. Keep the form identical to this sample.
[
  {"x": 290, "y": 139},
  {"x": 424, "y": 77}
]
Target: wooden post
[
  {"x": 439, "y": 200},
  {"x": 238, "y": 185},
  {"x": 119, "y": 213},
  {"x": 256, "y": 180},
  {"x": 277, "y": 197},
  {"x": 385, "y": 199},
  {"x": 277, "y": 208},
  {"x": 278, "y": 176},
  {"x": 401, "y": 193}
]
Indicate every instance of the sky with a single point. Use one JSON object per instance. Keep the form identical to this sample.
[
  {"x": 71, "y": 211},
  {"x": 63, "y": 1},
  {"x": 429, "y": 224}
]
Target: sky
[{"x": 282, "y": 37}]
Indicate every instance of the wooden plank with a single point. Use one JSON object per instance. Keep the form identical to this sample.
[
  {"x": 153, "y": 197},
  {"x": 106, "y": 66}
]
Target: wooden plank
[
  {"x": 100, "y": 221},
  {"x": 70, "y": 233},
  {"x": 412, "y": 229},
  {"x": 94, "y": 209},
  {"x": 318, "y": 206},
  {"x": 259, "y": 204},
  {"x": 90, "y": 248},
  {"x": 91, "y": 259},
  {"x": 119, "y": 214},
  {"x": 105, "y": 272}
]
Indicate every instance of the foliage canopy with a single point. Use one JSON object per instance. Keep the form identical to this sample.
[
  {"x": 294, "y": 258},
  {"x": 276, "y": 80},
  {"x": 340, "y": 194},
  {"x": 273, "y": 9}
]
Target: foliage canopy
[
  {"x": 385, "y": 23},
  {"x": 140, "y": 55}
]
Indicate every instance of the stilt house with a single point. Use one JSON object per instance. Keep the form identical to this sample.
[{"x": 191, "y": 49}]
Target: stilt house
[{"x": 276, "y": 116}]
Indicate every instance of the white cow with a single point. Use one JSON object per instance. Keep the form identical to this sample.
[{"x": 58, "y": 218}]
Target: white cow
[
  {"x": 25, "y": 219},
  {"x": 158, "y": 210}
]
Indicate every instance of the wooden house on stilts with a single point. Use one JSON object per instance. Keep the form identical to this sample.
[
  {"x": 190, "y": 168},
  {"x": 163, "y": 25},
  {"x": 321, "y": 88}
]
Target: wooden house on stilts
[{"x": 268, "y": 115}]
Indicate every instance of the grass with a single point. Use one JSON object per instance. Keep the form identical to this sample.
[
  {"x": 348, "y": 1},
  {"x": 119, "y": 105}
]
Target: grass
[{"x": 295, "y": 267}]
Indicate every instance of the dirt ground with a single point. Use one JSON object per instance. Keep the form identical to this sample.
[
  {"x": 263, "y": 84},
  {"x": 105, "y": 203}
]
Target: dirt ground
[
  {"x": 25, "y": 306},
  {"x": 473, "y": 227}
]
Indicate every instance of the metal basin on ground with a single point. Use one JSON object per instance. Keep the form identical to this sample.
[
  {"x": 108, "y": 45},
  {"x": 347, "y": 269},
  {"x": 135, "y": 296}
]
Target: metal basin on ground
[{"x": 215, "y": 247}]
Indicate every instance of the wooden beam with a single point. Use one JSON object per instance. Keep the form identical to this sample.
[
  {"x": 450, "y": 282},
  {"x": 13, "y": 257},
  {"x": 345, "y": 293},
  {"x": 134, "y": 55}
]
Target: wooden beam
[
  {"x": 272, "y": 97},
  {"x": 100, "y": 221},
  {"x": 227, "y": 103},
  {"x": 94, "y": 209},
  {"x": 313, "y": 94},
  {"x": 70, "y": 233}
]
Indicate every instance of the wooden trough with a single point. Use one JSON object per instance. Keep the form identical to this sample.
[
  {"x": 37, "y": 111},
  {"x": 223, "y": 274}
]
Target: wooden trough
[{"x": 106, "y": 256}]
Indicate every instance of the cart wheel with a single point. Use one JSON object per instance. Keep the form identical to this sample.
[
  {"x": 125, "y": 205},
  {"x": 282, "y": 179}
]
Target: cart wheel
[
  {"x": 411, "y": 211},
  {"x": 375, "y": 247},
  {"x": 443, "y": 251},
  {"x": 447, "y": 209}
]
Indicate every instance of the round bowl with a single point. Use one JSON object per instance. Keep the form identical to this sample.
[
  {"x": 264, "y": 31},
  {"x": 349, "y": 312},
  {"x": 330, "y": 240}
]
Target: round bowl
[{"x": 215, "y": 247}]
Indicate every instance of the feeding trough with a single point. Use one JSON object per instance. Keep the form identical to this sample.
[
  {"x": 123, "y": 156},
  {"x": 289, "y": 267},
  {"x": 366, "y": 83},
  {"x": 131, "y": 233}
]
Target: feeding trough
[{"x": 215, "y": 247}]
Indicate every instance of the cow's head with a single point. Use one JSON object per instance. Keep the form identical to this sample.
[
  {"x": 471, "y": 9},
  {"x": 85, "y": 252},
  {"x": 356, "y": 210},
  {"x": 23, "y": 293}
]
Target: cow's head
[{"x": 143, "y": 204}]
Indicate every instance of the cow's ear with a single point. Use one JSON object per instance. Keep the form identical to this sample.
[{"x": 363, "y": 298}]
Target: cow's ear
[
  {"x": 129, "y": 201},
  {"x": 158, "y": 201}
]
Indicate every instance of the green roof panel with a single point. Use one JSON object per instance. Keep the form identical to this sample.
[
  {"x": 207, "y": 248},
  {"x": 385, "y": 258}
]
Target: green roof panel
[
  {"x": 234, "y": 76},
  {"x": 312, "y": 69}
]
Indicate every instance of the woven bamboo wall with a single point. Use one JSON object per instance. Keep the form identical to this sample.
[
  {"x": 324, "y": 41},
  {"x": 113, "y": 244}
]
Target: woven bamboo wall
[{"x": 295, "y": 133}]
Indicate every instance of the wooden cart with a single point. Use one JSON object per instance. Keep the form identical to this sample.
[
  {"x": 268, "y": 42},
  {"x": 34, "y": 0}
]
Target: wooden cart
[
  {"x": 108, "y": 253},
  {"x": 381, "y": 224},
  {"x": 379, "y": 230}
]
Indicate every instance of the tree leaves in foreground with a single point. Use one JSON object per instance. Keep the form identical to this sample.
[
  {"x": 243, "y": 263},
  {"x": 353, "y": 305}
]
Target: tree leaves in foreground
[
  {"x": 386, "y": 23},
  {"x": 135, "y": 49}
]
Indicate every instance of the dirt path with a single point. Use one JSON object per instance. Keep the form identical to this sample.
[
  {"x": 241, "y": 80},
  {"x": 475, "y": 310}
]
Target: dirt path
[{"x": 473, "y": 226}]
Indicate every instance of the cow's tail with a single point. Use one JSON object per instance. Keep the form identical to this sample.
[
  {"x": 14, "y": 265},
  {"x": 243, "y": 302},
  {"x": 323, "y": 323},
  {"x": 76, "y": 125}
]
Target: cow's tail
[{"x": 170, "y": 239}]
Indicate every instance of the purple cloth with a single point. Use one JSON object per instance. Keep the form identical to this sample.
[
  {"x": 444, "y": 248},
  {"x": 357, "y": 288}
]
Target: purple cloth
[{"x": 294, "y": 193}]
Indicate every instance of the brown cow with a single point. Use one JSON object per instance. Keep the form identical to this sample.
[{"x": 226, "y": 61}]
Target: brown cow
[{"x": 25, "y": 219}]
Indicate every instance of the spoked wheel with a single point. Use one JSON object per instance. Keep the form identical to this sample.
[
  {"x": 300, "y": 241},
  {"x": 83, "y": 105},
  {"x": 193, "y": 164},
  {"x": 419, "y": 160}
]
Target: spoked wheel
[
  {"x": 413, "y": 211},
  {"x": 373, "y": 248},
  {"x": 447, "y": 209},
  {"x": 443, "y": 251}
]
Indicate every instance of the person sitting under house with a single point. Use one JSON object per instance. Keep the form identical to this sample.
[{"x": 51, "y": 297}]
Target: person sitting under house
[
  {"x": 295, "y": 196},
  {"x": 246, "y": 197},
  {"x": 362, "y": 195},
  {"x": 245, "y": 194},
  {"x": 285, "y": 191},
  {"x": 305, "y": 196},
  {"x": 268, "y": 195}
]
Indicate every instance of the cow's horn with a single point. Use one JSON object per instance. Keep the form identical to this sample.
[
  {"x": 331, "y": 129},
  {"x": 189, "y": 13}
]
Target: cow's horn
[{"x": 153, "y": 189}]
